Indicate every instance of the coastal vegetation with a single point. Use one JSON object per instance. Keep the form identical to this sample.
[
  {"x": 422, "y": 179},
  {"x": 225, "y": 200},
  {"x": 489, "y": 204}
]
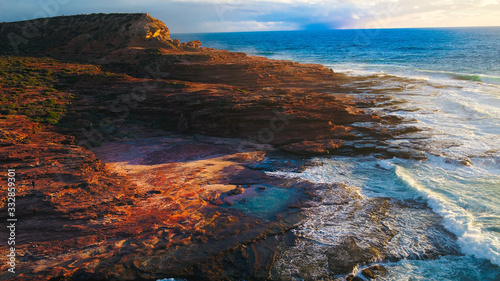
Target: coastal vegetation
[{"x": 41, "y": 88}]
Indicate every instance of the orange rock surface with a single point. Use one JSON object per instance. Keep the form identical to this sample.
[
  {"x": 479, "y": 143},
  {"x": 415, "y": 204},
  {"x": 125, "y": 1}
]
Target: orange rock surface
[{"x": 125, "y": 149}]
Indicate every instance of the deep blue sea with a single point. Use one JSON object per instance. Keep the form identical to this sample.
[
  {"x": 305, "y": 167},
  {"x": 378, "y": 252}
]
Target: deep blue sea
[{"x": 448, "y": 82}]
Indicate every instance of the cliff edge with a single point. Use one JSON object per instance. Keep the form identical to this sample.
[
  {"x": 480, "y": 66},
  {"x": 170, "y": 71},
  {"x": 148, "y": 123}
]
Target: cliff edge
[
  {"x": 138, "y": 157},
  {"x": 84, "y": 35}
]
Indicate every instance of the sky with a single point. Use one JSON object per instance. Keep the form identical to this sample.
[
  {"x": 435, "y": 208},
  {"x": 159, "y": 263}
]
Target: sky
[{"x": 197, "y": 16}]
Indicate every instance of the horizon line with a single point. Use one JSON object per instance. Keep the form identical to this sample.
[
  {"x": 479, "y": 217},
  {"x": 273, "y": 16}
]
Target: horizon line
[{"x": 380, "y": 28}]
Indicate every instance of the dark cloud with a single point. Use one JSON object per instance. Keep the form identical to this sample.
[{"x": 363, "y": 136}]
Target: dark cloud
[
  {"x": 317, "y": 26},
  {"x": 312, "y": 16}
]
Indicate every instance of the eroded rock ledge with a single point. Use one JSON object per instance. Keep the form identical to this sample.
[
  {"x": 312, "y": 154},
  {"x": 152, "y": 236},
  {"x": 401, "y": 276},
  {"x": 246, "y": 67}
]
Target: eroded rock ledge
[{"x": 148, "y": 155}]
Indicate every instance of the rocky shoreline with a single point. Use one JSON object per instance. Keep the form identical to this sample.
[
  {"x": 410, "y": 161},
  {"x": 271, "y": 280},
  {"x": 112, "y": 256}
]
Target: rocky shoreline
[{"x": 150, "y": 159}]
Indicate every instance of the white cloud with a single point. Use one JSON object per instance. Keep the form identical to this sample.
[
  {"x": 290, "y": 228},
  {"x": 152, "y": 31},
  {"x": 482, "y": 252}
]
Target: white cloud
[
  {"x": 444, "y": 13},
  {"x": 234, "y": 26},
  {"x": 487, "y": 3},
  {"x": 367, "y": 14}
]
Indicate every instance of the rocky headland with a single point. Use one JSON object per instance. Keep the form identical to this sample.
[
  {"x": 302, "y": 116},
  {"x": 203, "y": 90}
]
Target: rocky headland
[{"x": 139, "y": 157}]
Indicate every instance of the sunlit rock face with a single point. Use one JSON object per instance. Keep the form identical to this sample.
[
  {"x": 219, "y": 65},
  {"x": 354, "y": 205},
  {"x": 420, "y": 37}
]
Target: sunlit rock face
[
  {"x": 178, "y": 185},
  {"x": 94, "y": 34}
]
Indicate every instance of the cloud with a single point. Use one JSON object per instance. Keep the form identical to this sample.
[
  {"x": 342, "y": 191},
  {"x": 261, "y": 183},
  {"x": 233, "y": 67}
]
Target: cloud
[
  {"x": 323, "y": 14},
  {"x": 444, "y": 13},
  {"x": 183, "y": 16},
  {"x": 249, "y": 26}
]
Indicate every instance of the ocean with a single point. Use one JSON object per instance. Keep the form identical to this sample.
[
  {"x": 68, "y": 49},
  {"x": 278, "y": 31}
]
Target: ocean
[{"x": 445, "y": 81}]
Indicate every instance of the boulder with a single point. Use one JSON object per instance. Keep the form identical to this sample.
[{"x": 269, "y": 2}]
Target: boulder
[
  {"x": 347, "y": 255},
  {"x": 313, "y": 148}
]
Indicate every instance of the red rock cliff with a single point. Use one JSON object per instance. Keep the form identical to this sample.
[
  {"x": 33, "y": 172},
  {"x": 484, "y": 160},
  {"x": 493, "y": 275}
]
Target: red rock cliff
[{"x": 84, "y": 34}]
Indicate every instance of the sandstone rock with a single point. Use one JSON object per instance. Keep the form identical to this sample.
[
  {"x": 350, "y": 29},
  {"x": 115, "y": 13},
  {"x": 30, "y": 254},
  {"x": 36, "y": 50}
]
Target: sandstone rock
[
  {"x": 313, "y": 148},
  {"x": 193, "y": 44},
  {"x": 139, "y": 226},
  {"x": 368, "y": 273},
  {"x": 344, "y": 257},
  {"x": 182, "y": 124},
  {"x": 378, "y": 268},
  {"x": 87, "y": 35},
  {"x": 217, "y": 202},
  {"x": 236, "y": 191}
]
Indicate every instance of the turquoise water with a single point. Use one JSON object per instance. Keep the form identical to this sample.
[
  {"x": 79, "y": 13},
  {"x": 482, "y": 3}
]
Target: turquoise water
[
  {"x": 449, "y": 80},
  {"x": 262, "y": 203}
]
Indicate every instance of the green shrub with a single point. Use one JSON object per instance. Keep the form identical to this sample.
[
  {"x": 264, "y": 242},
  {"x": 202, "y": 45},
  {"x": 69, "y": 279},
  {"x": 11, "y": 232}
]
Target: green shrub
[
  {"x": 8, "y": 111},
  {"x": 52, "y": 117},
  {"x": 50, "y": 101}
]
